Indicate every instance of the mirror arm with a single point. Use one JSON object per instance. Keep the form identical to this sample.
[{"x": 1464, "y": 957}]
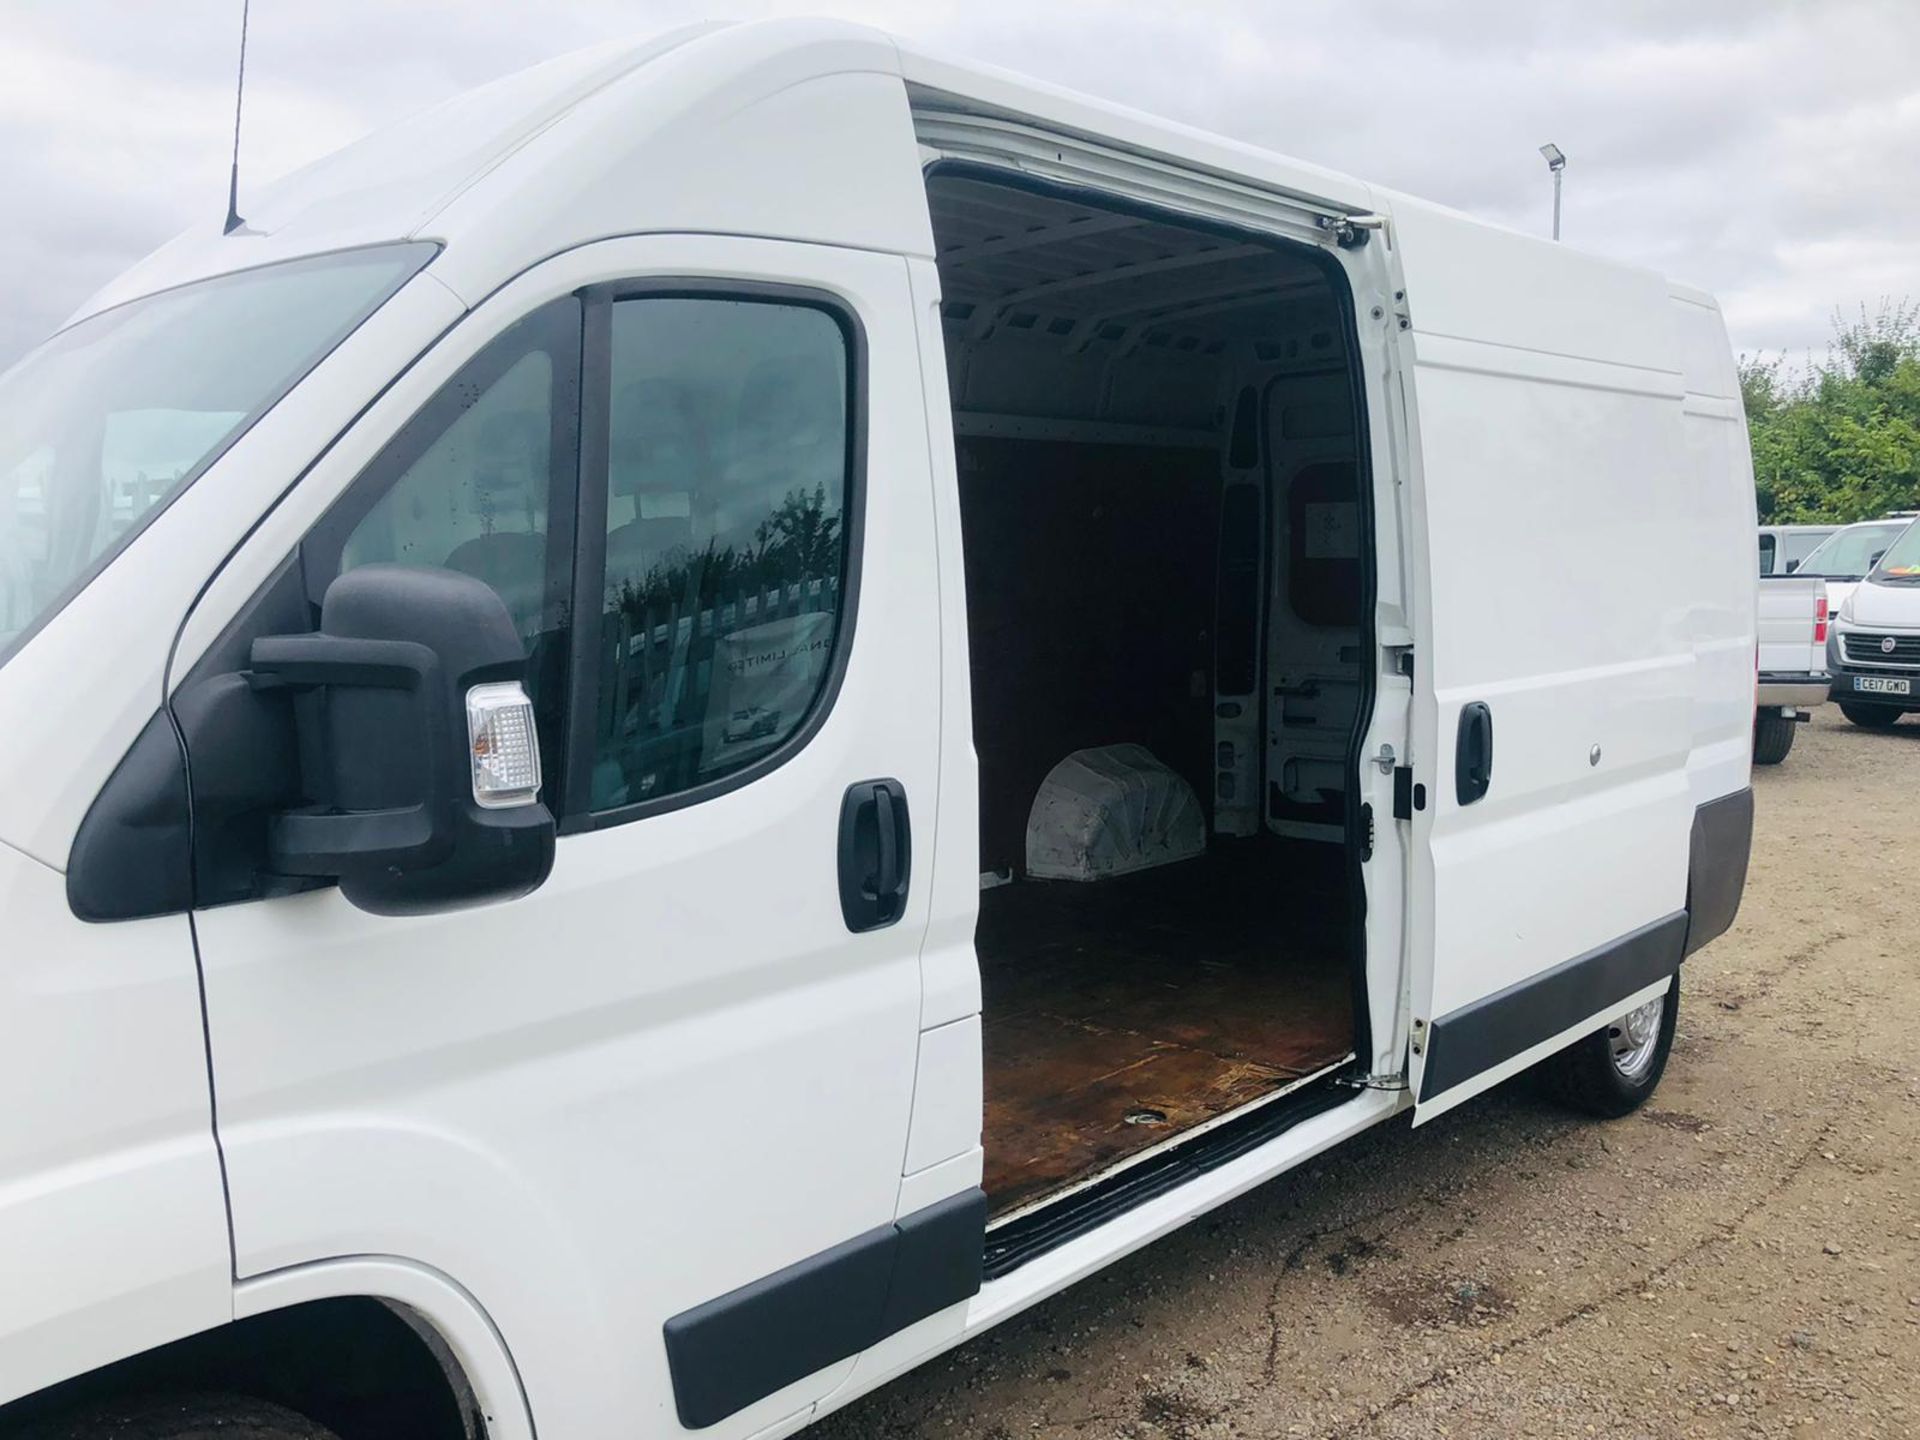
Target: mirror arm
[
  {"x": 325, "y": 840},
  {"x": 305, "y": 662},
  {"x": 326, "y": 844}
]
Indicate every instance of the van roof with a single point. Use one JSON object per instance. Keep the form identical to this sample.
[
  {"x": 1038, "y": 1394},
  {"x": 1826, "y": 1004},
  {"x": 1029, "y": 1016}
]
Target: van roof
[{"x": 747, "y": 128}]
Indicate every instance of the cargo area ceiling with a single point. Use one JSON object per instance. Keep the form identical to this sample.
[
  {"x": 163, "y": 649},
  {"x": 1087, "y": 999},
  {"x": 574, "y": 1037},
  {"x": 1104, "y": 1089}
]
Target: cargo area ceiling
[{"x": 1010, "y": 258}]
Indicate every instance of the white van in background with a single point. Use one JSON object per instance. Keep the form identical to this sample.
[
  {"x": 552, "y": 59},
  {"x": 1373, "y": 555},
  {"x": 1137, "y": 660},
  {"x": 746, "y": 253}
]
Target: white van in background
[
  {"x": 490, "y": 850},
  {"x": 1873, "y": 651},
  {"x": 1844, "y": 558}
]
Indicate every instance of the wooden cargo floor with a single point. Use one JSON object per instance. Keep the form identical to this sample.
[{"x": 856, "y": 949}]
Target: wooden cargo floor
[{"x": 1119, "y": 1014}]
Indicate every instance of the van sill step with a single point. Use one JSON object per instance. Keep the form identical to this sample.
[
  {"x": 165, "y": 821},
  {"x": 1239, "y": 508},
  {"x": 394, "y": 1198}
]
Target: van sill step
[{"x": 1013, "y": 1244}]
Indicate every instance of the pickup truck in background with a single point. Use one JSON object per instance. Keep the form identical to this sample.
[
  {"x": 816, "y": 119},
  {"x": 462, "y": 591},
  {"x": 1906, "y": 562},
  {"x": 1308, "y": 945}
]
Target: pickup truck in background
[
  {"x": 1793, "y": 661},
  {"x": 1783, "y": 547}
]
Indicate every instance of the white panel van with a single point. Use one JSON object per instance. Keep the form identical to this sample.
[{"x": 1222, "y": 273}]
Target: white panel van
[{"x": 535, "y": 670}]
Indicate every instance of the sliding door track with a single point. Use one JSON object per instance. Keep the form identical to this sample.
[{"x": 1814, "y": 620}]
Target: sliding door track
[{"x": 1028, "y": 1234}]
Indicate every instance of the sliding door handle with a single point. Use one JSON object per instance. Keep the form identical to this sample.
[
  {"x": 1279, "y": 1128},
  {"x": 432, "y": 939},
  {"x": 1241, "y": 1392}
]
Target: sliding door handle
[
  {"x": 1473, "y": 753},
  {"x": 876, "y": 854},
  {"x": 886, "y": 877}
]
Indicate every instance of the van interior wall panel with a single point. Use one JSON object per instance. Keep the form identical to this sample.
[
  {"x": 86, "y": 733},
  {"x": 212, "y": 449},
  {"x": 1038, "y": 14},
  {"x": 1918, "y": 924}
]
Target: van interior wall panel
[{"x": 1090, "y": 611}]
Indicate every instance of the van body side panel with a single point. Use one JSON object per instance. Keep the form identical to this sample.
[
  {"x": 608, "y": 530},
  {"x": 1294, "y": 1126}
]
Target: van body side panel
[
  {"x": 113, "y": 1229},
  {"x": 670, "y": 1073},
  {"x": 1554, "y": 489}
]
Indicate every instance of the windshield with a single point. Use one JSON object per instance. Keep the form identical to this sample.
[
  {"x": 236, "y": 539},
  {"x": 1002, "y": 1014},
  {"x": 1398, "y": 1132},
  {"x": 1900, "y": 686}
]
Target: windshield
[
  {"x": 104, "y": 423},
  {"x": 1850, "y": 554},
  {"x": 1901, "y": 564}
]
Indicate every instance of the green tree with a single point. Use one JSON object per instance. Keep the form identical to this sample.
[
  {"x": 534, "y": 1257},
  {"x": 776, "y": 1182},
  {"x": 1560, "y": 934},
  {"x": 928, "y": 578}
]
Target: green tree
[{"x": 1840, "y": 440}]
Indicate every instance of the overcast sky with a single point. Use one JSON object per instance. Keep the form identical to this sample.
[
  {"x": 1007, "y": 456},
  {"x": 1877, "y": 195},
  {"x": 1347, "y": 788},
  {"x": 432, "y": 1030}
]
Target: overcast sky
[{"x": 1766, "y": 149}]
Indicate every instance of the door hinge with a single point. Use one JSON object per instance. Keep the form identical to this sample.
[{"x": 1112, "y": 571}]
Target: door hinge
[
  {"x": 1407, "y": 796},
  {"x": 1351, "y": 232},
  {"x": 1417, "y": 1040}
]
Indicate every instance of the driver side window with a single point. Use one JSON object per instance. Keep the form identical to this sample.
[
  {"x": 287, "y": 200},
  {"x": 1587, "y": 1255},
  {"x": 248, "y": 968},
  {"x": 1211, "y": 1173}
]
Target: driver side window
[
  {"x": 477, "y": 500},
  {"x": 482, "y": 481}
]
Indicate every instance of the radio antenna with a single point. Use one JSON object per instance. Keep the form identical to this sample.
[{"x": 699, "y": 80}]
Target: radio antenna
[{"x": 234, "y": 222}]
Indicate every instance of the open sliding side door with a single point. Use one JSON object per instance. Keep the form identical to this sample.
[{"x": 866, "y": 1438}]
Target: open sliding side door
[{"x": 1554, "y": 673}]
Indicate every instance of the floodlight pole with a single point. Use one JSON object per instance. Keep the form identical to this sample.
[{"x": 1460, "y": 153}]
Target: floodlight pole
[{"x": 1556, "y": 162}]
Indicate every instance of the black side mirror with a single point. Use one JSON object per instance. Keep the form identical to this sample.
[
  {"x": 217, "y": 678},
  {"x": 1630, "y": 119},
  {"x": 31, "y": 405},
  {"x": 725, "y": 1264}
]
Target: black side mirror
[
  {"x": 1792, "y": 565},
  {"x": 417, "y": 746}
]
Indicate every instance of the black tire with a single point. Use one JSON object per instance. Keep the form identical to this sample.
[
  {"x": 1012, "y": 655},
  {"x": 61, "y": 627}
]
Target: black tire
[
  {"x": 1871, "y": 717},
  {"x": 179, "y": 1417},
  {"x": 1772, "y": 736},
  {"x": 1585, "y": 1077}
]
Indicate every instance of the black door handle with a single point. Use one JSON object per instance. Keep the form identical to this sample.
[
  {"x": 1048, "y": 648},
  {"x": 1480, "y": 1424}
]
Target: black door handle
[
  {"x": 1473, "y": 755},
  {"x": 876, "y": 854}
]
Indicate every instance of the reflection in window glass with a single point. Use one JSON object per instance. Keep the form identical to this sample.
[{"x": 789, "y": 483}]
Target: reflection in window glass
[{"x": 726, "y": 543}]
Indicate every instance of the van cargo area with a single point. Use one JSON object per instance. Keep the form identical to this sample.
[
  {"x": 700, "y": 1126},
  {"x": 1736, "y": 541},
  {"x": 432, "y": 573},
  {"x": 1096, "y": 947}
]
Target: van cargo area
[
  {"x": 1155, "y": 430},
  {"x": 1119, "y": 1015}
]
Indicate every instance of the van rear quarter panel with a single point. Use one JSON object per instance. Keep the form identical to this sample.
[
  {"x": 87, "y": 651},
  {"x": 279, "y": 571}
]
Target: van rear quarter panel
[
  {"x": 1576, "y": 546},
  {"x": 1724, "y": 606}
]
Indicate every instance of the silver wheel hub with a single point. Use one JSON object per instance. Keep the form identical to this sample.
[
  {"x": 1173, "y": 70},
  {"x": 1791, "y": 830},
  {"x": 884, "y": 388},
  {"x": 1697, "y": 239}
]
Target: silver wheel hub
[{"x": 1635, "y": 1037}]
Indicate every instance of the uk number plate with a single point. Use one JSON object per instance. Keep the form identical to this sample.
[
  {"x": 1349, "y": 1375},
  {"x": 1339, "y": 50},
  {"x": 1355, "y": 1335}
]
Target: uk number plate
[{"x": 1882, "y": 685}]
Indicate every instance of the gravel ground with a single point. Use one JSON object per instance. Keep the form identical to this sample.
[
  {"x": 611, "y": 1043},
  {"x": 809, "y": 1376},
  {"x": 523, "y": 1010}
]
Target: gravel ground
[{"x": 1740, "y": 1258}]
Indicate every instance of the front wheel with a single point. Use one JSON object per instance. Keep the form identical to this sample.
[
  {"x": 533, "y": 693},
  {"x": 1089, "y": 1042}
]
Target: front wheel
[
  {"x": 1871, "y": 717},
  {"x": 1772, "y": 736},
  {"x": 1612, "y": 1071}
]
